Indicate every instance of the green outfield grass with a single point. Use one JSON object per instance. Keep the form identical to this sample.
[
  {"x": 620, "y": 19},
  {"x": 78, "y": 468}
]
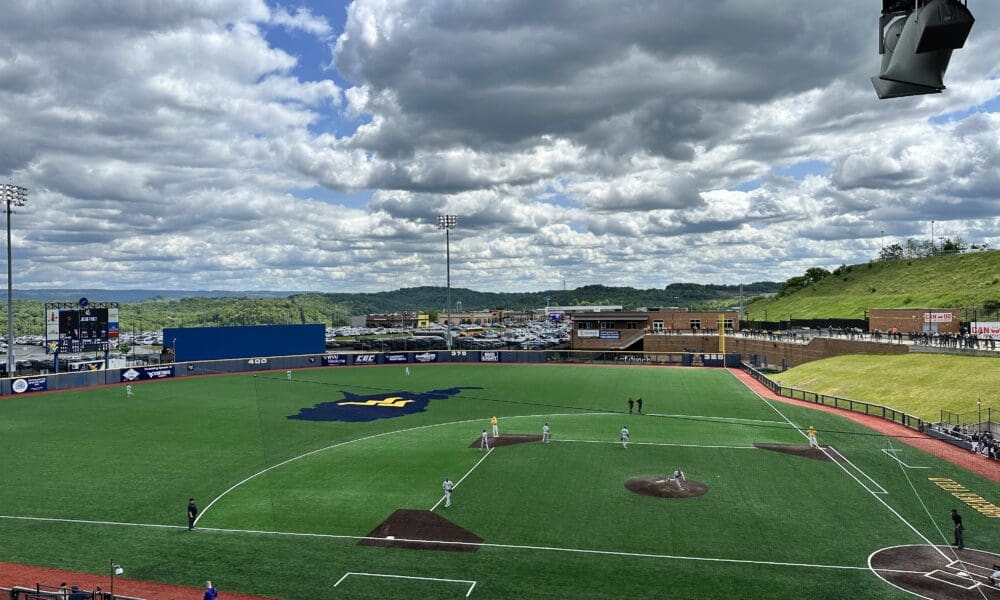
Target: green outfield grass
[
  {"x": 919, "y": 384},
  {"x": 556, "y": 518}
]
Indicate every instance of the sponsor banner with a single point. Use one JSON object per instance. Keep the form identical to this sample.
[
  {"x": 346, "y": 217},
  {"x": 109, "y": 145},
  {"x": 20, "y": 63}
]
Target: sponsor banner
[
  {"x": 986, "y": 329},
  {"x": 52, "y": 324},
  {"x": 938, "y": 317},
  {"x": 489, "y": 357},
  {"x": 366, "y": 359},
  {"x": 425, "y": 357},
  {"x": 397, "y": 358},
  {"x": 144, "y": 373},
  {"x": 26, "y": 385},
  {"x": 588, "y": 333},
  {"x": 334, "y": 360},
  {"x": 610, "y": 334}
]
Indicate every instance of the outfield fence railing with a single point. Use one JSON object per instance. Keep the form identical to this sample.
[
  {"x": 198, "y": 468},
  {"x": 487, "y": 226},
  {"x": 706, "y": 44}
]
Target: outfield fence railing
[
  {"x": 29, "y": 384},
  {"x": 875, "y": 410},
  {"x": 977, "y": 421}
]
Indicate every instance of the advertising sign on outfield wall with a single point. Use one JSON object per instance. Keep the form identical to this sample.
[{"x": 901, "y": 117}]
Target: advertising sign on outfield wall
[
  {"x": 397, "y": 358},
  {"x": 144, "y": 373},
  {"x": 489, "y": 356},
  {"x": 425, "y": 357},
  {"x": 27, "y": 385},
  {"x": 986, "y": 329},
  {"x": 334, "y": 360}
]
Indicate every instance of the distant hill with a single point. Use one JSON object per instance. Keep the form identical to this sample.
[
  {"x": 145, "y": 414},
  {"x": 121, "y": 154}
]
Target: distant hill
[{"x": 945, "y": 281}]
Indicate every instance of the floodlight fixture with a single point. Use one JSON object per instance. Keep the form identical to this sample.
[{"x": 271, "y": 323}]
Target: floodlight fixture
[
  {"x": 448, "y": 222},
  {"x": 916, "y": 38},
  {"x": 11, "y": 195}
]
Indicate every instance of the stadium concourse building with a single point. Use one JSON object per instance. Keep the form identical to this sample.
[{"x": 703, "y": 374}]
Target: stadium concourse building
[{"x": 627, "y": 330}]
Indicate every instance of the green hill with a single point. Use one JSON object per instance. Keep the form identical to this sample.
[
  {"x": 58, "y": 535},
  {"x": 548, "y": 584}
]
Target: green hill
[
  {"x": 919, "y": 384},
  {"x": 948, "y": 281}
]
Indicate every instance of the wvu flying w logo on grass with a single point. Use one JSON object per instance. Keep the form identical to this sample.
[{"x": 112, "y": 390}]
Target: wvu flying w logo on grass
[{"x": 355, "y": 408}]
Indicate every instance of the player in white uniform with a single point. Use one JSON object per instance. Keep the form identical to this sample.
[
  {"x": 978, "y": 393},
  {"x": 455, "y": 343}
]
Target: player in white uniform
[
  {"x": 288, "y": 375},
  {"x": 484, "y": 444},
  {"x": 407, "y": 370},
  {"x": 679, "y": 477},
  {"x": 128, "y": 391},
  {"x": 447, "y": 486},
  {"x": 545, "y": 434},
  {"x": 624, "y": 437}
]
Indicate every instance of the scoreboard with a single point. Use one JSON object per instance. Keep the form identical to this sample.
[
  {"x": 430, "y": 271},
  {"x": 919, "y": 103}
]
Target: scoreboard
[{"x": 80, "y": 328}]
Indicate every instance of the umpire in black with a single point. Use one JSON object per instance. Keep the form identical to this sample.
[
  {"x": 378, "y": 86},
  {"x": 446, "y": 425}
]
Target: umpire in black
[{"x": 192, "y": 513}]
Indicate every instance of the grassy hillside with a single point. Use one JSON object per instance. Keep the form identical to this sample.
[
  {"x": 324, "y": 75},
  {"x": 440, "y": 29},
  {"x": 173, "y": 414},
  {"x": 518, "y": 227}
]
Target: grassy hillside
[
  {"x": 950, "y": 281},
  {"x": 920, "y": 384}
]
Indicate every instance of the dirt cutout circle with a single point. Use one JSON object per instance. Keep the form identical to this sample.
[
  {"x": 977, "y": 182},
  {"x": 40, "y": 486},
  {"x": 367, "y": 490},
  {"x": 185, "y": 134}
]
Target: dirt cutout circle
[
  {"x": 941, "y": 573},
  {"x": 660, "y": 486}
]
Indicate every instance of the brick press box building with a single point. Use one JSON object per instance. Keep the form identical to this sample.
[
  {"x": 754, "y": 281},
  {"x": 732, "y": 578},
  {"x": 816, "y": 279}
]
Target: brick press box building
[{"x": 626, "y": 330}]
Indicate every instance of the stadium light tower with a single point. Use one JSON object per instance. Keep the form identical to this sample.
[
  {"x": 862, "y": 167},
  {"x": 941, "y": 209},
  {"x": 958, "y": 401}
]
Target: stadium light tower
[
  {"x": 11, "y": 195},
  {"x": 448, "y": 222}
]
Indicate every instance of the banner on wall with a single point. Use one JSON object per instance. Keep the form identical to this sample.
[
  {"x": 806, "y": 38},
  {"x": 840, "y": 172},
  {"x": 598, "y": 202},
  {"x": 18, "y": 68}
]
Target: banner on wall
[
  {"x": 334, "y": 360},
  {"x": 26, "y": 385},
  {"x": 145, "y": 373},
  {"x": 986, "y": 329}
]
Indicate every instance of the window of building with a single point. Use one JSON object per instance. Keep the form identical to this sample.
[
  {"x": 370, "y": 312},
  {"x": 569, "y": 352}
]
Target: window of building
[
  {"x": 657, "y": 325},
  {"x": 727, "y": 323},
  {"x": 695, "y": 324}
]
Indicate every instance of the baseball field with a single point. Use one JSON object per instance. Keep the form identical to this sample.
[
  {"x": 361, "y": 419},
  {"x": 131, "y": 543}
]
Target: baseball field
[{"x": 327, "y": 483}]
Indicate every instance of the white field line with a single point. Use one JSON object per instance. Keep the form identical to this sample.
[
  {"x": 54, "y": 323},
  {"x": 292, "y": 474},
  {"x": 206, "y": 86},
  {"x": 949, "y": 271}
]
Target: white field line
[
  {"x": 361, "y": 439},
  {"x": 467, "y": 473},
  {"x": 891, "y": 453},
  {"x": 631, "y": 443},
  {"x": 882, "y": 490},
  {"x": 726, "y": 419},
  {"x": 844, "y": 469},
  {"x": 333, "y": 536},
  {"x": 462, "y": 581}
]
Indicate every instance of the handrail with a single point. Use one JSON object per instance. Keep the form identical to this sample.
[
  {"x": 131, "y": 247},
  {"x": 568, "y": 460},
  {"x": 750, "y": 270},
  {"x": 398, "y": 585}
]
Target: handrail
[{"x": 878, "y": 410}]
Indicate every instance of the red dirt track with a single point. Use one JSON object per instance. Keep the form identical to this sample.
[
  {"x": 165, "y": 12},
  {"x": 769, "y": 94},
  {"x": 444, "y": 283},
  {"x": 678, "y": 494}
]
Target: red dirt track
[
  {"x": 975, "y": 463},
  {"x": 13, "y": 574}
]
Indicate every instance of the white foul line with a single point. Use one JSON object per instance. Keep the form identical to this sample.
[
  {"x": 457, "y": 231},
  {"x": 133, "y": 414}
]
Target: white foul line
[
  {"x": 726, "y": 419},
  {"x": 488, "y": 452},
  {"x": 891, "y": 453},
  {"x": 882, "y": 490},
  {"x": 411, "y": 577},
  {"x": 333, "y": 536},
  {"x": 843, "y": 468}
]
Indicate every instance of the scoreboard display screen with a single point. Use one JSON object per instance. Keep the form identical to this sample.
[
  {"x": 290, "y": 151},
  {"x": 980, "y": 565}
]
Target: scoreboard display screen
[{"x": 80, "y": 329}]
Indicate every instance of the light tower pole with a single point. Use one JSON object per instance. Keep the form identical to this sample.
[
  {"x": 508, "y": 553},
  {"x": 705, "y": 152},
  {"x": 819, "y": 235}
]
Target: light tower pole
[
  {"x": 448, "y": 222},
  {"x": 11, "y": 195}
]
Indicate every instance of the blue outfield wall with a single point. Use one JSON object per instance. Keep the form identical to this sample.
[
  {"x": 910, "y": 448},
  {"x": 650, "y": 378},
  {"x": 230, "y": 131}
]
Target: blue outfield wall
[{"x": 214, "y": 343}]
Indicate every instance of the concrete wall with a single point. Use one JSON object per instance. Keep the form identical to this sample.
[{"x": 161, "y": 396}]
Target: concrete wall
[{"x": 792, "y": 354}]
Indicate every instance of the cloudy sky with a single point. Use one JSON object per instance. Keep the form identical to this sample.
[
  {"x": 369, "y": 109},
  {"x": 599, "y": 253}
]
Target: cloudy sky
[{"x": 249, "y": 144}]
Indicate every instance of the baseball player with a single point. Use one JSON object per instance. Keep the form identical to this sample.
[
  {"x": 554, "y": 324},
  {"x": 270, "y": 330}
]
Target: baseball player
[
  {"x": 485, "y": 443},
  {"x": 128, "y": 391},
  {"x": 546, "y": 436},
  {"x": 630, "y": 406},
  {"x": 288, "y": 375},
  {"x": 496, "y": 426},
  {"x": 447, "y": 486},
  {"x": 679, "y": 477},
  {"x": 811, "y": 433},
  {"x": 624, "y": 436},
  {"x": 638, "y": 406},
  {"x": 407, "y": 370}
]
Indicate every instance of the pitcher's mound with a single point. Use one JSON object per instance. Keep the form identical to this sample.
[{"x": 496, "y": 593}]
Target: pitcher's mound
[
  {"x": 421, "y": 530},
  {"x": 803, "y": 451},
  {"x": 507, "y": 439},
  {"x": 659, "y": 486}
]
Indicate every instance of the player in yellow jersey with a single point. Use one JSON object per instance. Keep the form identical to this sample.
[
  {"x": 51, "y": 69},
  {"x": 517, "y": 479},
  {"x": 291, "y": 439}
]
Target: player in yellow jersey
[
  {"x": 811, "y": 433},
  {"x": 496, "y": 426}
]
